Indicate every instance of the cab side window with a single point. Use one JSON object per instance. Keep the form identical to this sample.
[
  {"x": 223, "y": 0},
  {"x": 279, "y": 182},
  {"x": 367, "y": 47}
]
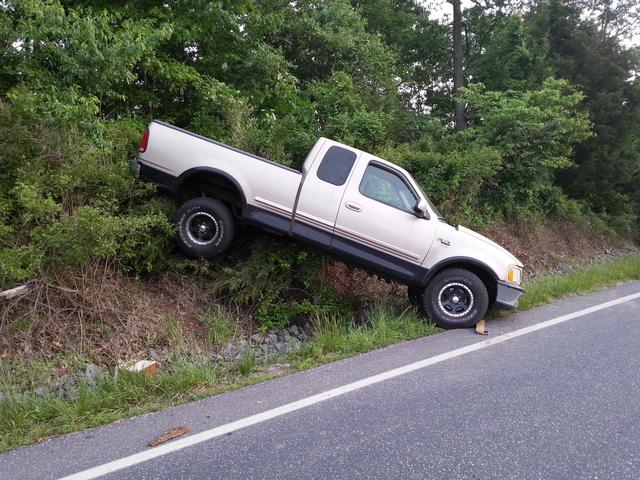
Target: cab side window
[
  {"x": 336, "y": 165},
  {"x": 387, "y": 187}
]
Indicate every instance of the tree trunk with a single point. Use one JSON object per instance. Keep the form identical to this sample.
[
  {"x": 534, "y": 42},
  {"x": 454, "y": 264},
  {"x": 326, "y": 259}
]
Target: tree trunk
[{"x": 458, "y": 68}]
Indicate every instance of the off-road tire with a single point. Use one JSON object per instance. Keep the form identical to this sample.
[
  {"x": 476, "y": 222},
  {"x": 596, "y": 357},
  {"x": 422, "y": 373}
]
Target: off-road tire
[
  {"x": 205, "y": 227},
  {"x": 456, "y": 298}
]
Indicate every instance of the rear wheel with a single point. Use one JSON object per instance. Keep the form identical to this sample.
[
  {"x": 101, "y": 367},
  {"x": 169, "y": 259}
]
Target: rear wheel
[
  {"x": 205, "y": 227},
  {"x": 456, "y": 298}
]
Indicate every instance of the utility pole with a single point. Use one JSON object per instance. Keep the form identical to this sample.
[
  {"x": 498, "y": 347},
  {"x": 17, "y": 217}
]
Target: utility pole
[{"x": 458, "y": 68}]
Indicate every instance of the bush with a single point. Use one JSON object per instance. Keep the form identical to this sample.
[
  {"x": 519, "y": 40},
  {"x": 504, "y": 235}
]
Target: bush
[
  {"x": 66, "y": 202},
  {"x": 279, "y": 279},
  {"x": 503, "y": 165}
]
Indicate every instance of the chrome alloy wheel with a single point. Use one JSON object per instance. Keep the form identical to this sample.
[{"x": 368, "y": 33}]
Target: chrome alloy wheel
[
  {"x": 455, "y": 299},
  {"x": 202, "y": 228}
]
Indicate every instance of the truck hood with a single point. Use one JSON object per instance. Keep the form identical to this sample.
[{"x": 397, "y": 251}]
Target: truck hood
[
  {"x": 484, "y": 239},
  {"x": 466, "y": 242}
]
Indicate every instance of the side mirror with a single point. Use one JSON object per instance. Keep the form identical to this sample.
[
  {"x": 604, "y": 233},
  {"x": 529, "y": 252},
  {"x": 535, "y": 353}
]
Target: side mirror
[{"x": 422, "y": 209}]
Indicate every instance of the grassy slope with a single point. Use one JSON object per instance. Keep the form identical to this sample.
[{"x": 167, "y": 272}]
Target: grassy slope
[{"x": 25, "y": 419}]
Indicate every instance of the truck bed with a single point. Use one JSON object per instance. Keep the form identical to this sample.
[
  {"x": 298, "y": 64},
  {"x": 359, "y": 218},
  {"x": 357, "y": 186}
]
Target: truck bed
[{"x": 267, "y": 185}]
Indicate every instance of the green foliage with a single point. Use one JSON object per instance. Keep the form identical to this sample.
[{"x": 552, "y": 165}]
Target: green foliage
[
  {"x": 70, "y": 198},
  {"x": 342, "y": 114},
  {"x": 453, "y": 171},
  {"x": 99, "y": 58},
  {"x": 280, "y": 280},
  {"x": 503, "y": 165},
  {"x": 534, "y": 132},
  {"x": 503, "y": 53},
  {"x": 422, "y": 46},
  {"x": 19, "y": 263},
  {"x": 334, "y": 36},
  {"x": 79, "y": 80},
  {"x": 587, "y": 45}
]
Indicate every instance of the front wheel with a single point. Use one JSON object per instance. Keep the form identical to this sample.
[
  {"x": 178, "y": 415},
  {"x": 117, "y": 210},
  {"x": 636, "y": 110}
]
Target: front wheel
[
  {"x": 456, "y": 298},
  {"x": 205, "y": 227}
]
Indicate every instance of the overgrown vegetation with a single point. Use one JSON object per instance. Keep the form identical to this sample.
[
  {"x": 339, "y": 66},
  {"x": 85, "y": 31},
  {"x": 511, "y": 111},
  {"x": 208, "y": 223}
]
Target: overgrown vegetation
[{"x": 79, "y": 81}]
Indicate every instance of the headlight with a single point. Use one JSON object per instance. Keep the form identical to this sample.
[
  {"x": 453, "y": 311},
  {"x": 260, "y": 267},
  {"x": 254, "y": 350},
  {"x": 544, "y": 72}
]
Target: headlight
[{"x": 514, "y": 274}]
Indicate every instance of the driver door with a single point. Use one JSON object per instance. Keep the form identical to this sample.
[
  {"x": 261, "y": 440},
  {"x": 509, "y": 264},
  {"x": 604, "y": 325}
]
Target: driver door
[{"x": 376, "y": 223}]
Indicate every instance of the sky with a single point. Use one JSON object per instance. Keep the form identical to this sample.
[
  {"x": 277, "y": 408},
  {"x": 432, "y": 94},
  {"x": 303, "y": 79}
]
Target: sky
[{"x": 442, "y": 10}]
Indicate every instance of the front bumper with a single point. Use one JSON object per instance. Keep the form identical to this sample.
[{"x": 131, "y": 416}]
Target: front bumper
[{"x": 508, "y": 295}]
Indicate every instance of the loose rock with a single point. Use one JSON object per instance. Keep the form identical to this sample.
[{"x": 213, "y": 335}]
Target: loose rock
[{"x": 92, "y": 374}]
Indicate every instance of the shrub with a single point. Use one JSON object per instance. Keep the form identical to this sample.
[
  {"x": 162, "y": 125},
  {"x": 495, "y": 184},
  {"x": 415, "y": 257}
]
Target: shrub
[
  {"x": 69, "y": 202},
  {"x": 279, "y": 279}
]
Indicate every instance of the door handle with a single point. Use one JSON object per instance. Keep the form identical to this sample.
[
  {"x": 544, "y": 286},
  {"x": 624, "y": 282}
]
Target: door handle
[{"x": 353, "y": 206}]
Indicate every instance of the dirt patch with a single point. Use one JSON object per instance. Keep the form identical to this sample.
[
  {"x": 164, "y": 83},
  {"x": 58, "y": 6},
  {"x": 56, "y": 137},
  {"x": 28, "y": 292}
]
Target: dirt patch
[{"x": 95, "y": 312}]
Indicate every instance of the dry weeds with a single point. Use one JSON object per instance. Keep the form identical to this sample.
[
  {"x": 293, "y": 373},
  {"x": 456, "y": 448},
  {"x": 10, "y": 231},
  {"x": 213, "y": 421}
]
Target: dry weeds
[
  {"x": 92, "y": 311},
  {"x": 543, "y": 250}
]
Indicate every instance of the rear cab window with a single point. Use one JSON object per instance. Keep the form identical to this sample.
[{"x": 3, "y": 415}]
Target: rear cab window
[{"x": 336, "y": 165}]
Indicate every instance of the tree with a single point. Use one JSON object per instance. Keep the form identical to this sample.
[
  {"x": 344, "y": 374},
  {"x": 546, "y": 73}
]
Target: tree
[
  {"x": 535, "y": 132},
  {"x": 595, "y": 61},
  {"x": 422, "y": 46},
  {"x": 458, "y": 66}
]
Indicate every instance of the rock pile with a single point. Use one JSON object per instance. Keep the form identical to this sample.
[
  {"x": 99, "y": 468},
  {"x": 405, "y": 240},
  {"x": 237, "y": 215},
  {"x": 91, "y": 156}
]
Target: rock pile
[
  {"x": 265, "y": 345},
  {"x": 261, "y": 346}
]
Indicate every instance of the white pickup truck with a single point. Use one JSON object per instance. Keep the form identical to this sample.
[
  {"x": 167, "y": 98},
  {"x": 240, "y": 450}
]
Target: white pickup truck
[{"x": 355, "y": 206}]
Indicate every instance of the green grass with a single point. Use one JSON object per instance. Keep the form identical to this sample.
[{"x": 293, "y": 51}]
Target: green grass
[
  {"x": 336, "y": 338},
  {"x": 544, "y": 289},
  {"x": 222, "y": 325},
  {"x": 246, "y": 364},
  {"x": 24, "y": 417}
]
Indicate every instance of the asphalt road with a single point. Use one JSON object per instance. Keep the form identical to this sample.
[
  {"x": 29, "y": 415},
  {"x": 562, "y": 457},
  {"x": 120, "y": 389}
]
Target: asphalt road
[{"x": 559, "y": 402}]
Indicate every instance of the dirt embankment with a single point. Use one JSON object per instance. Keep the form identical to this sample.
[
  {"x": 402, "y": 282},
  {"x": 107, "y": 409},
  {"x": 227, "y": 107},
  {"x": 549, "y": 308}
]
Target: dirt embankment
[
  {"x": 559, "y": 247},
  {"x": 96, "y": 314}
]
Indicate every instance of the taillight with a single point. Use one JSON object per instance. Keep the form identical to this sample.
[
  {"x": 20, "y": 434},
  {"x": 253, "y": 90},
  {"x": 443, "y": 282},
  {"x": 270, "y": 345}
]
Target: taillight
[{"x": 144, "y": 141}]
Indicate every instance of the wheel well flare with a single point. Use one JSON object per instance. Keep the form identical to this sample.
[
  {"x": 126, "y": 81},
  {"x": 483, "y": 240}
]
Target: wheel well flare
[
  {"x": 484, "y": 273},
  {"x": 215, "y": 185}
]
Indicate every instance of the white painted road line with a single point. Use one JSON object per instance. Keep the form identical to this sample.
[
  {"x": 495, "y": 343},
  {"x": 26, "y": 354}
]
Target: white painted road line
[{"x": 167, "y": 448}]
